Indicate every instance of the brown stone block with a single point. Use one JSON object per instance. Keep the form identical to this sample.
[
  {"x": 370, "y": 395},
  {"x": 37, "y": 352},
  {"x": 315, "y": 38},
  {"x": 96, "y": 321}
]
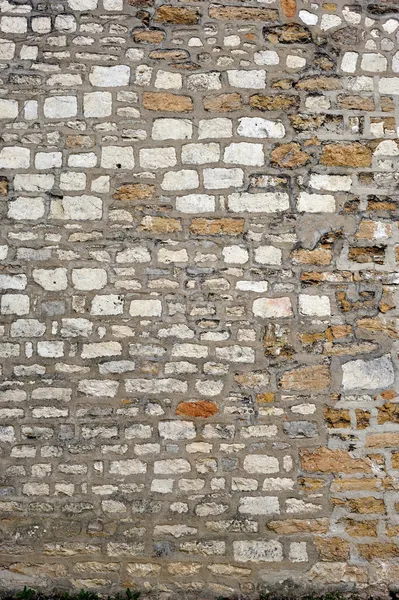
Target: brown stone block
[
  {"x": 362, "y": 418},
  {"x": 346, "y": 155},
  {"x": 361, "y": 528},
  {"x": 148, "y": 36},
  {"x": 383, "y": 550},
  {"x": 243, "y": 13},
  {"x": 252, "y": 380},
  {"x": 366, "y": 506},
  {"x": 324, "y": 460},
  {"x": 319, "y": 256},
  {"x": 354, "y": 484},
  {"x": 383, "y": 440},
  {"x": 298, "y": 526},
  {"x": 356, "y": 103},
  {"x": 135, "y": 191},
  {"x": 388, "y": 413},
  {"x": 176, "y": 15},
  {"x": 223, "y": 226},
  {"x": 222, "y": 103},
  {"x": 291, "y": 33},
  {"x": 289, "y": 8},
  {"x": 80, "y": 141},
  {"x": 379, "y": 325},
  {"x": 279, "y": 102},
  {"x": 392, "y": 530},
  {"x": 3, "y": 186},
  {"x": 311, "y": 484},
  {"x": 170, "y": 55},
  {"x": 314, "y": 378},
  {"x": 160, "y": 225},
  {"x": 337, "y": 417},
  {"x": 266, "y": 398},
  {"x": 197, "y": 408},
  {"x": 316, "y": 277},
  {"x": 163, "y": 101},
  {"x": 289, "y": 156},
  {"x": 319, "y": 83},
  {"x": 367, "y": 254},
  {"x": 331, "y": 549}
]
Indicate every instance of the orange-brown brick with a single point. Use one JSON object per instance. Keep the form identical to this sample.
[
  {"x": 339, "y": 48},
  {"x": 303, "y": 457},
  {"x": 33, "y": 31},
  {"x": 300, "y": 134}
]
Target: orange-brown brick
[
  {"x": 289, "y": 8},
  {"x": 197, "y": 408}
]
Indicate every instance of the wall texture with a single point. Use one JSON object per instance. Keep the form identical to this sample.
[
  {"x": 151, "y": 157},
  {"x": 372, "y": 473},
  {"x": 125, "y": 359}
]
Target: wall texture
[{"x": 199, "y": 294}]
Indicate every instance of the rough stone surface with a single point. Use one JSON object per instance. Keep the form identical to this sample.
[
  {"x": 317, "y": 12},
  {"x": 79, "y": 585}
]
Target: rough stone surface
[{"x": 199, "y": 260}]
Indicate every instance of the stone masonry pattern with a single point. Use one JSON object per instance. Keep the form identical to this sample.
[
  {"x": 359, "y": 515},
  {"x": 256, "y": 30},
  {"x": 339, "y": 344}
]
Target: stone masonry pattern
[{"x": 199, "y": 294}]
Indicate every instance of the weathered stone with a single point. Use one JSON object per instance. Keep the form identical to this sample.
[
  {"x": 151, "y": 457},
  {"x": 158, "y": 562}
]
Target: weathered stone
[
  {"x": 236, "y": 13},
  {"x": 291, "y": 33},
  {"x": 306, "y": 378},
  {"x": 222, "y": 103},
  {"x": 332, "y": 549},
  {"x": 289, "y": 156},
  {"x": 135, "y": 191},
  {"x": 324, "y": 460},
  {"x": 197, "y": 408},
  {"x": 148, "y": 36},
  {"x": 176, "y": 15},
  {"x": 275, "y": 102},
  {"x": 289, "y": 8},
  {"x": 372, "y": 374},
  {"x": 346, "y": 155},
  {"x": 163, "y": 101},
  {"x": 298, "y": 526}
]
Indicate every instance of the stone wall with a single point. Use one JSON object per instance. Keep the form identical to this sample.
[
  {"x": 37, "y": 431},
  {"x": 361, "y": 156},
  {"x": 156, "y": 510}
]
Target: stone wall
[{"x": 199, "y": 286}]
